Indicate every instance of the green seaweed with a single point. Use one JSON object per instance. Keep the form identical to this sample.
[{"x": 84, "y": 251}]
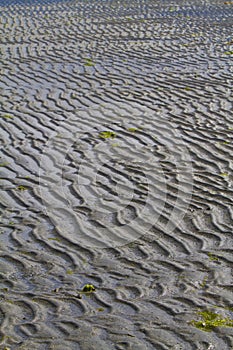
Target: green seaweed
[
  {"x": 4, "y": 164},
  {"x": 88, "y": 288},
  {"x": 212, "y": 257},
  {"x": 210, "y": 320},
  {"x": 100, "y": 309},
  {"x": 54, "y": 239},
  {"x": 21, "y": 188},
  {"x": 88, "y": 62},
  {"x": 224, "y": 143},
  {"x": 107, "y": 134},
  {"x": 204, "y": 282},
  {"x": 228, "y": 52},
  {"x": 132, "y": 129},
  {"x": 69, "y": 272},
  {"x": 186, "y": 88},
  {"x": 224, "y": 174},
  {"x": 7, "y": 116}
]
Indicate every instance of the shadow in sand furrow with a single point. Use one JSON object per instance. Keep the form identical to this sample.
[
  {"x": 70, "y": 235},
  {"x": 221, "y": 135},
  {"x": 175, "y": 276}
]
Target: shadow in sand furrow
[
  {"x": 174, "y": 243},
  {"x": 26, "y": 128},
  {"x": 75, "y": 255}
]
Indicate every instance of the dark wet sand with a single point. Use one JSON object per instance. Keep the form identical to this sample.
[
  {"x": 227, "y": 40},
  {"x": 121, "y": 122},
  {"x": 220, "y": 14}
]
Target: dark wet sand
[{"x": 144, "y": 215}]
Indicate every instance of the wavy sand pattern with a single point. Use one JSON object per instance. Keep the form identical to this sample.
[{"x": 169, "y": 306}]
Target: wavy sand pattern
[{"x": 144, "y": 215}]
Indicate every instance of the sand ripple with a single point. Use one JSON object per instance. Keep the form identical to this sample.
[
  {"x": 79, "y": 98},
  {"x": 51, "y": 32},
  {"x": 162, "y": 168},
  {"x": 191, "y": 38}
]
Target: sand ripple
[{"x": 145, "y": 214}]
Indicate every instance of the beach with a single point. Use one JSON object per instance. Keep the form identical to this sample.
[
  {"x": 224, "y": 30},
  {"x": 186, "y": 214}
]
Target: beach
[{"x": 116, "y": 172}]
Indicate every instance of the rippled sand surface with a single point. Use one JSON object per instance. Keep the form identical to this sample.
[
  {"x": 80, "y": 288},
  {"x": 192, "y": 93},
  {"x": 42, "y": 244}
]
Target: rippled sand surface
[{"x": 116, "y": 171}]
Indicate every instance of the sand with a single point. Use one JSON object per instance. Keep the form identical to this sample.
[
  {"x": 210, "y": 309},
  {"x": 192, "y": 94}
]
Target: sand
[{"x": 116, "y": 171}]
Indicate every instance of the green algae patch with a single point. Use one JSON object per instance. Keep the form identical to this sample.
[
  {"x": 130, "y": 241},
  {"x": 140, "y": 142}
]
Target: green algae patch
[
  {"x": 132, "y": 129},
  {"x": 210, "y": 320},
  {"x": 212, "y": 257},
  {"x": 21, "y": 188},
  {"x": 88, "y": 288},
  {"x": 223, "y": 143},
  {"x": 54, "y": 239},
  {"x": 204, "y": 282},
  {"x": 224, "y": 174},
  {"x": 172, "y": 9},
  {"x": 88, "y": 62},
  {"x": 107, "y": 135},
  {"x": 7, "y": 116},
  {"x": 100, "y": 309}
]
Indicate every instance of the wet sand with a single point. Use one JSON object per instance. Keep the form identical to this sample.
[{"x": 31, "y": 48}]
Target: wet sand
[{"x": 116, "y": 171}]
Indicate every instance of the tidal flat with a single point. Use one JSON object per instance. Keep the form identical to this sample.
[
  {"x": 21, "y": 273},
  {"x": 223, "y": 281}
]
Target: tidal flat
[{"x": 116, "y": 175}]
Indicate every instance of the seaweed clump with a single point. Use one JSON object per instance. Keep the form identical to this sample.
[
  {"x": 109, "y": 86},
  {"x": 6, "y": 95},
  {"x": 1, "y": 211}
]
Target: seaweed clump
[
  {"x": 210, "y": 320},
  {"x": 107, "y": 134},
  {"x": 88, "y": 288}
]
